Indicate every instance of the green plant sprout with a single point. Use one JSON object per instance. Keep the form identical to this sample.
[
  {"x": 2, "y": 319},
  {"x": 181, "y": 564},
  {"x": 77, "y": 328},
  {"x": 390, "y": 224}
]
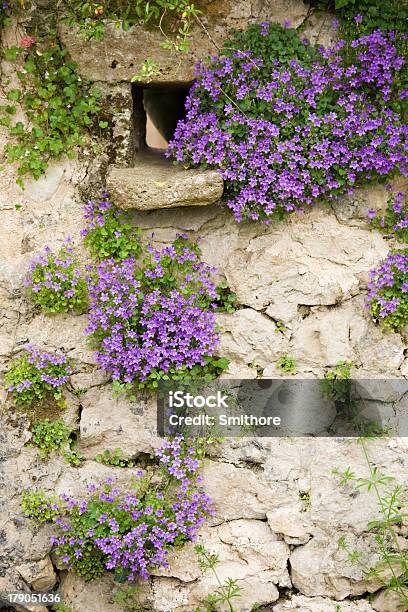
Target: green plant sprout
[
  {"x": 50, "y": 435},
  {"x": 226, "y": 299},
  {"x": 390, "y": 502},
  {"x": 287, "y": 364},
  {"x": 226, "y": 591},
  {"x": 114, "y": 458}
]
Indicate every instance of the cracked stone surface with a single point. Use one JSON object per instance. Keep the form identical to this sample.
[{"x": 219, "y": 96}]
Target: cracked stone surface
[
  {"x": 155, "y": 183},
  {"x": 276, "y": 497},
  {"x": 108, "y": 423},
  {"x": 322, "y": 604},
  {"x": 301, "y": 288}
]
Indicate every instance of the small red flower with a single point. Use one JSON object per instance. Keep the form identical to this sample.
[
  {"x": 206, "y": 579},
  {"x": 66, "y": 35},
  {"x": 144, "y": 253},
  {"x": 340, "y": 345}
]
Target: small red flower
[{"x": 27, "y": 41}]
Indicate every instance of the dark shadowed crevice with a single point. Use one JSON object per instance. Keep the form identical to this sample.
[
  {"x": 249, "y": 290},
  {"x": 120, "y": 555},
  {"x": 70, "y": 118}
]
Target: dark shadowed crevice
[{"x": 156, "y": 112}]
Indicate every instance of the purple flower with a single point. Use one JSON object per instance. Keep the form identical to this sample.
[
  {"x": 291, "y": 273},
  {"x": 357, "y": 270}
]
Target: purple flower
[
  {"x": 387, "y": 297},
  {"x": 142, "y": 325},
  {"x": 264, "y": 28},
  {"x": 37, "y": 373},
  {"x": 132, "y": 536},
  {"x": 285, "y": 151},
  {"x": 54, "y": 282}
]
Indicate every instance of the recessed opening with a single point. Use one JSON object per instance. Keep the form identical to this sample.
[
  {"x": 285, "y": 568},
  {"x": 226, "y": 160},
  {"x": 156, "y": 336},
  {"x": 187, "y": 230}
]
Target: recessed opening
[{"x": 156, "y": 112}]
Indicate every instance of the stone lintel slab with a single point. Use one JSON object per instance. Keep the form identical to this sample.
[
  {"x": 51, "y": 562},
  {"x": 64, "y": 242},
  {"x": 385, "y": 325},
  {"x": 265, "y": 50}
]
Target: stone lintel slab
[
  {"x": 120, "y": 55},
  {"x": 152, "y": 185}
]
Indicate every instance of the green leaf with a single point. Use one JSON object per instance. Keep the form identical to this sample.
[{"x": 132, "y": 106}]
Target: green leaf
[{"x": 11, "y": 53}]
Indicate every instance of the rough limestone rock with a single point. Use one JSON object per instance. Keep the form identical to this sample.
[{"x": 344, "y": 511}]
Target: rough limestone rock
[
  {"x": 322, "y": 604},
  {"x": 156, "y": 184},
  {"x": 346, "y": 334},
  {"x": 120, "y": 55},
  {"x": 388, "y": 601},
  {"x": 261, "y": 549},
  {"x": 48, "y": 185},
  {"x": 108, "y": 423},
  {"x": 184, "y": 565},
  {"x": 321, "y": 568},
  {"x": 306, "y": 466},
  {"x": 352, "y": 209},
  {"x": 46, "y": 217},
  {"x": 6, "y": 345},
  {"x": 294, "y": 526},
  {"x": 40, "y": 575},
  {"x": 250, "y": 337},
  {"x": 249, "y": 552},
  {"x": 287, "y": 267},
  {"x": 404, "y": 368},
  {"x": 87, "y": 379},
  {"x": 226, "y": 484},
  {"x": 95, "y": 596},
  {"x": 315, "y": 335},
  {"x": 76, "y": 481},
  {"x": 59, "y": 332},
  {"x": 280, "y": 509},
  {"x": 392, "y": 390}
]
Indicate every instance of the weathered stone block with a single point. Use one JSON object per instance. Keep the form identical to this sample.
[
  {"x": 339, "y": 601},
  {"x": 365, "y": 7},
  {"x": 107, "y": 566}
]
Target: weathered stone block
[
  {"x": 153, "y": 184},
  {"x": 39, "y": 575},
  {"x": 108, "y": 423}
]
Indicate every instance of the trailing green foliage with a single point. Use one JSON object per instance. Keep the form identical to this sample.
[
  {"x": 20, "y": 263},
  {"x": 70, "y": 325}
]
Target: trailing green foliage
[
  {"x": 226, "y": 591},
  {"x": 39, "y": 506},
  {"x": 336, "y": 383},
  {"x": 226, "y": 299},
  {"x": 106, "y": 233},
  {"x": 73, "y": 456},
  {"x": 61, "y": 607},
  {"x": 50, "y": 436},
  {"x": 279, "y": 44},
  {"x": 6, "y": 10},
  {"x": 129, "y": 598},
  {"x": 60, "y": 107}
]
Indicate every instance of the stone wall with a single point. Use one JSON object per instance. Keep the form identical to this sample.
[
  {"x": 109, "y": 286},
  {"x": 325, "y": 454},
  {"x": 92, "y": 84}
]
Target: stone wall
[{"x": 300, "y": 286}]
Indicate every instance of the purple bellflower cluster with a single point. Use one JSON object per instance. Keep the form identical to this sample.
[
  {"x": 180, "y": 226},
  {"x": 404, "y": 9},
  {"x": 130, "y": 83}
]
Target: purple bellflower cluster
[
  {"x": 388, "y": 290},
  {"x": 37, "y": 373},
  {"x": 132, "y": 533},
  {"x": 286, "y": 133},
  {"x": 55, "y": 281},
  {"x": 154, "y": 319}
]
